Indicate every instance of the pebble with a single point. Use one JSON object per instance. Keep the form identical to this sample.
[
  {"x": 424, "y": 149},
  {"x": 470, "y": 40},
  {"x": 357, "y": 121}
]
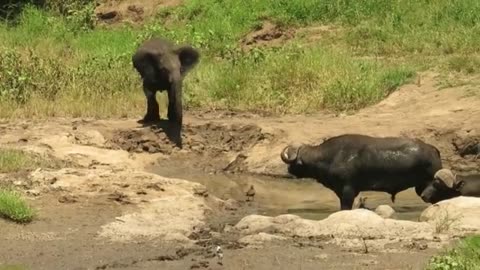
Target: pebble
[
  {"x": 33, "y": 192},
  {"x": 322, "y": 256}
]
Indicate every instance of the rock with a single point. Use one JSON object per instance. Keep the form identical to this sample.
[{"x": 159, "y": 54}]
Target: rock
[
  {"x": 321, "y": 257},
  {"x": 155, "y": 186},
  {"x": 201, "y": 191},
  {"x": 254, "y": 224},
  {"x": 18, "y": 183},
  {"x": 67, "y": 199},
  {"x": 171, "y": 218},
  {"x": 169, "y": 209},
  {"x": 259, "y": 239},
  {"x": 230, "y": 205},
  {"x": 416, "y": 245},
  {"x": 368, "y": 262},
  {"x": 89, "y": 137},
  {"x": 107, "y": 15},
  {"x": 33, "y": 192},
  {"x": 227, "y": 228},
  {"x": 456, "y": 216},
  {"x": 358, "y": 223},
  {"x": 119, "y": 197},
  {"x": 385, "y": 211}
]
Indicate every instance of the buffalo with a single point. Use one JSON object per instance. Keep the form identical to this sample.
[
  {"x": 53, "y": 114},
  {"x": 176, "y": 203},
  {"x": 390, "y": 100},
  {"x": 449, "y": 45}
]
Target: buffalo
[
  {"x": 447, "y": 185},
  {"x": 351, "y": 163}
]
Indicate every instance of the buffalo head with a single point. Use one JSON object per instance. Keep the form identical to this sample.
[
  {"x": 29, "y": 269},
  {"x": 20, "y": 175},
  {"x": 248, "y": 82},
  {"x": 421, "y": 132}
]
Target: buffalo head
[
  {"x": 445, "y": 185},
  {"x": 292, "y": 155}
]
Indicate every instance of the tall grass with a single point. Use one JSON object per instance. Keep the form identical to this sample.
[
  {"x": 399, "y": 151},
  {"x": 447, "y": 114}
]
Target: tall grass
[
  {"x": 13, "y": 160},
  {"x": 53, "y": 65}
]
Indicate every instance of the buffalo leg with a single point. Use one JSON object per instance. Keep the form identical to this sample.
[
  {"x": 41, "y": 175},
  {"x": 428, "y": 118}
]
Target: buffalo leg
[
  {"x": 347, "y": 197},
  {"x": 153, "y": 111},
  {"x": 393, "y": 197}
]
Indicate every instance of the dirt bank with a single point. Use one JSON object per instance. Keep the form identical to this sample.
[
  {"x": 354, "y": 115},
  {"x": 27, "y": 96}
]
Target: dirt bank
[{"x": 128, "y": 199}]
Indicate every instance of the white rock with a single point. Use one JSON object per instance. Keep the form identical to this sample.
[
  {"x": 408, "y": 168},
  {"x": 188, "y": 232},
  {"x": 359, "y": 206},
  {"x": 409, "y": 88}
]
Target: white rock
[
  {"x": 454, "y": 216},
  {"x": 385, "y": 211},
  {"x": 260, "y": 238},
  {"x": 358, "y": 223},
  {"x": 33, "y": 192},
  {"x": 321, "y": 257},
  {"x": 254, "y": 224}
]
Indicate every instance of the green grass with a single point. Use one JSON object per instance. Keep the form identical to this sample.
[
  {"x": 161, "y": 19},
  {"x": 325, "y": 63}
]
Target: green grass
[
  {"x": 466, "y": 256},
  {"x": 14, "y": 207},
  {"x": 52, "y": 65},
  {"x": 13, "y": 160},
  {"x": 13, "y": 267}
]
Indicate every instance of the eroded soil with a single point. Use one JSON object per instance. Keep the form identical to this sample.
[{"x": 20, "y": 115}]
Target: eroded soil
[
  {"x": 131, "y": 11},
  {"x": 104, "y": 210}
]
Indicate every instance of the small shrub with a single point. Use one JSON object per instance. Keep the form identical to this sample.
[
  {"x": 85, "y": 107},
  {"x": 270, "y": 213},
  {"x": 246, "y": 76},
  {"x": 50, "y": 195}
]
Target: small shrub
[{"x": 464, "y": 257}]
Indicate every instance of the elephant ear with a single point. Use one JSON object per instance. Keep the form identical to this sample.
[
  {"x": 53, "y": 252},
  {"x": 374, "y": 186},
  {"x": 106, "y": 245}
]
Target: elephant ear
[{"x": 188, "y": 56}]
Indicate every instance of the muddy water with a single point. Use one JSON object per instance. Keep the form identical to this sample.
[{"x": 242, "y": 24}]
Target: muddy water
[{"x": 275, "y": 196}]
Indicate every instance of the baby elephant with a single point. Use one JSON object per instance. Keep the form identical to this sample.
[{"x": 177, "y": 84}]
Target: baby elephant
[
  {"x": 163, "y": 66},
  {"x": 447, "y": 185}
]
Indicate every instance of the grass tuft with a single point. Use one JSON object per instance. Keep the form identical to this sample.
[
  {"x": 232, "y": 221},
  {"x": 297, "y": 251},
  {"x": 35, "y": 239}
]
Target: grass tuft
[
  {"x": 13, "y": 160},
  {"x": 14, "y": 207}
]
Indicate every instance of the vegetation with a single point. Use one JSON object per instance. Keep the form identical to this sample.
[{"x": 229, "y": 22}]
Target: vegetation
[
  {"x": 55, "y": 60},
  {"x": 14, "y": 207},
  {"x": 12, "y": 267},
  {"x": 13, "y": 160},
  {"x": 464, "y": 257}
]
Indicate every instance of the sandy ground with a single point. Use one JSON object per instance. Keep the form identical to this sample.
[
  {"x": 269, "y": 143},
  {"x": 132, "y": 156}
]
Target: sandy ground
[{"x": 128, "y": 199}]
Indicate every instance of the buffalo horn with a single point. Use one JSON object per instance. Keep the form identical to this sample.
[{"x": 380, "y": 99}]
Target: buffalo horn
[
  {"x": 289, "y": 154},
  {"x": 446, "y": 176}
]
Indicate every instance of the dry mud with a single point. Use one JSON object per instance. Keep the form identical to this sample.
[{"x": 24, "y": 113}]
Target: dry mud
[{"x": 126, "y": 198}]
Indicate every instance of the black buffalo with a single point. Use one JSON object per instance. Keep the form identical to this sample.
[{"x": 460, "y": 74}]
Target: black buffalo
[
  {"x": 163, "y": 66},
  {"x": 447, "y": 185},
  {"x": 351, "y": 163}
]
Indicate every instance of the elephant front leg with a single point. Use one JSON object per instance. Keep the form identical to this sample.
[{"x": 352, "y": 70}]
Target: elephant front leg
[
  {"x": 153, "y": 111},
  {"x": 347, "y": 197},
  {"x": 175, "y": 104},
  {"x": 175, "y": 111}
]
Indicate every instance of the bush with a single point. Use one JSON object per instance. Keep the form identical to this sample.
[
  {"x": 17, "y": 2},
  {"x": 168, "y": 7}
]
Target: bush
[{"x": 464, "y": 257}]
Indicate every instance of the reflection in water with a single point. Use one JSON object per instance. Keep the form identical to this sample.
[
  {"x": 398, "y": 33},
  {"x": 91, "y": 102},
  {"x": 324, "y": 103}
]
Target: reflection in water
[{"x": 305, "y": 198}]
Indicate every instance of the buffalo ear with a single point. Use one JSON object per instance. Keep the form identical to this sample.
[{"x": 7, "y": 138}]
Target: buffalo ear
[{"x": 188, "y": 56}]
